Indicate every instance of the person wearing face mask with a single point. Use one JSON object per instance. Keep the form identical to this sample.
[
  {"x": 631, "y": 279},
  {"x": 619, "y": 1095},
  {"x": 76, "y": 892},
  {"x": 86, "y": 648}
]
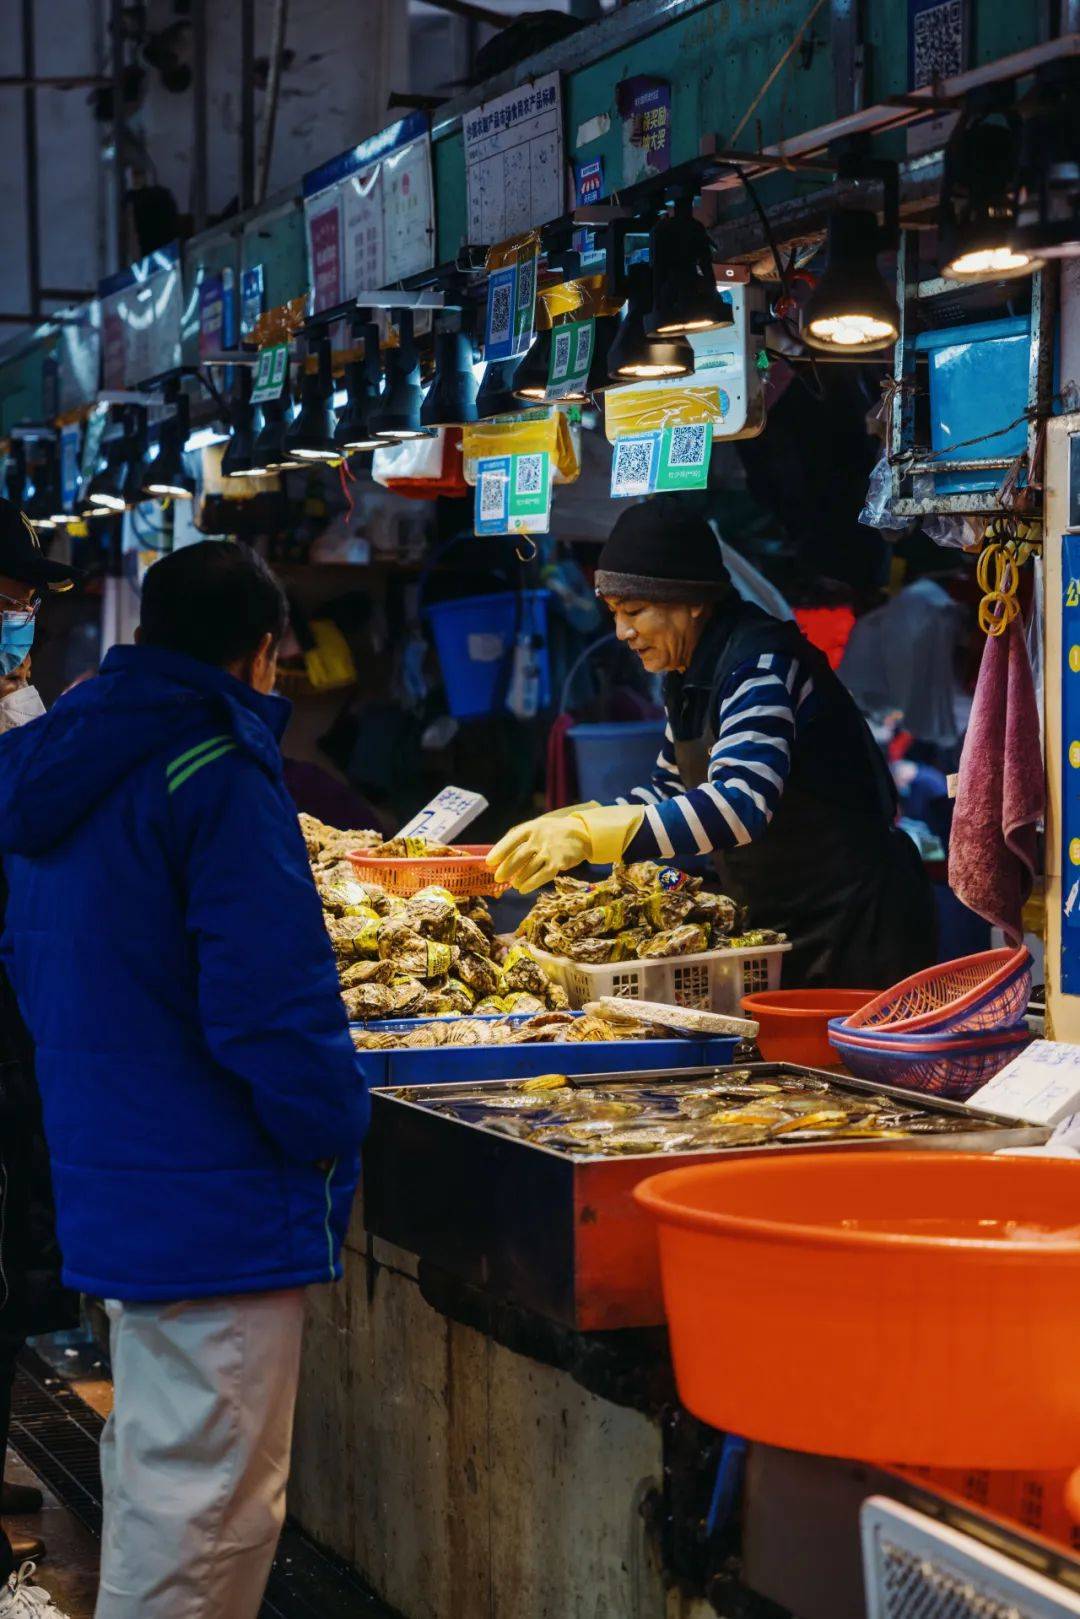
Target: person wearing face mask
[
  {"x": 767, "y": 766},
  {"x": 203, "y": 1104},
  {"x": 32, "y": 1299}
]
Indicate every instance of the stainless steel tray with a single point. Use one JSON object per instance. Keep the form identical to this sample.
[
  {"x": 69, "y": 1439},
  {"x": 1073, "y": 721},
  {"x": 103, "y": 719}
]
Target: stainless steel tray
[{"x": 561, "y": 1234}]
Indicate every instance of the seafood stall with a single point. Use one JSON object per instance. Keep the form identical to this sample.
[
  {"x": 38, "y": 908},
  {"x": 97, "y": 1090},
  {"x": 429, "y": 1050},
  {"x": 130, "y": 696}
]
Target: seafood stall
[{"x": 498, "y": 1349}]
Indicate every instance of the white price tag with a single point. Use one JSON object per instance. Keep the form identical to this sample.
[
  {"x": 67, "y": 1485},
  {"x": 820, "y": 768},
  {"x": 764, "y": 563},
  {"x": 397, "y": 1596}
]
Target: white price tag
[
  {"x": 448, "y": 814},
  {"x": 1041, "y": 1086}
]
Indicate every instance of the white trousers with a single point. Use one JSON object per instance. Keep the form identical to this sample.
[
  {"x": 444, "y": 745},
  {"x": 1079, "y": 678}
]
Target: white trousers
[{"x": 195, "y": 1457}]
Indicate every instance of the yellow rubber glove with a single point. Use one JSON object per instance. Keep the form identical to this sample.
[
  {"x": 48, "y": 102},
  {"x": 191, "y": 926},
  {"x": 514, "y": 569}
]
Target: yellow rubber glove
[{"x": 536, "y": 851}]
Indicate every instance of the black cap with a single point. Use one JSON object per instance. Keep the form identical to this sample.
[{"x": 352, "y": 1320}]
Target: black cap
[
  {"x": 662, "y": 550},
  {"x": 21, "y": 556}
]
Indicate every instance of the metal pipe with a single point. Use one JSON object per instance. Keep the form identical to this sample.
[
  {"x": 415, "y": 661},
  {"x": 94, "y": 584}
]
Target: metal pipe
[
  {"x": 247, "y": 103},
  {"x": 53, "y": 81},
  {"x": 273, "y": 88},
  {"x": 116, "y": 34},
  {"x": 30, "y": 158},
  {"x": 471, "y": 12},
  {"x": 198, "y": 113}
]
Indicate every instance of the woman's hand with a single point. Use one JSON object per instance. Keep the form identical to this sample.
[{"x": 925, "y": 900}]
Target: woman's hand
[{"x": 534, "y": 852}]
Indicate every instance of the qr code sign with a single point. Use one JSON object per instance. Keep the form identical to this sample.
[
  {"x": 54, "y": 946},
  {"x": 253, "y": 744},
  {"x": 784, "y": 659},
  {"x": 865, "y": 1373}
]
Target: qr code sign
[
  {"x": 526, "y": 282},
  {"x": 528, "y": 475},
  {"x": 632, "y": 471},
  {"x": 502, "y": 311},
  {"x": 937, "y": 42},
  {"x": 492, "y": 503},
  {"x": 687, "y": 447},
  {"x": 560, "y": 363}
]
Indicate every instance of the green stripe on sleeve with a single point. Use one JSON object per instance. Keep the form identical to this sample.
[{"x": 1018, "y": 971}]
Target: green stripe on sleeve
[
  {"x": 200, "y": 747},
  {"x": 197, "y": 764}
]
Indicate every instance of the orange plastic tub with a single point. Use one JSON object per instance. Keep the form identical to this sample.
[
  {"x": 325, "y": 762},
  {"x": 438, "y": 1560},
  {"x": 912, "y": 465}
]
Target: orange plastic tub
[
  {"x": 795, "y": 1022},
  {"x": 883, "y": 1306}
]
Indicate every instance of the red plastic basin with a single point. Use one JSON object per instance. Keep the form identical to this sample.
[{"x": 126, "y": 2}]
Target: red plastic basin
[
  {"x": 869, "y": 1304},
  {"x": 795, "y": 1022}
]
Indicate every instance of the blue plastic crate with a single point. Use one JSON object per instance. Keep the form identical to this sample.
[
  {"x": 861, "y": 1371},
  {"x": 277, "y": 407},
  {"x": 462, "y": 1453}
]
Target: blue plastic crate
[
  {"x": 978, "y": 384},
  {"x": 437, "y": 1065}
]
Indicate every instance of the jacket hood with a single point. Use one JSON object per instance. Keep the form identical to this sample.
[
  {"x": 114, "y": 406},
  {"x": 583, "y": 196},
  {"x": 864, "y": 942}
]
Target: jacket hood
[{"x": 57, "y": 769}]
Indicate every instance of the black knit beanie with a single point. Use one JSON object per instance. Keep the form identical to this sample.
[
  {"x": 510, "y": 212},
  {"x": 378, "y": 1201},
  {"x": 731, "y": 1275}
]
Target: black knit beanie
[{"x": 662, "y": 550}]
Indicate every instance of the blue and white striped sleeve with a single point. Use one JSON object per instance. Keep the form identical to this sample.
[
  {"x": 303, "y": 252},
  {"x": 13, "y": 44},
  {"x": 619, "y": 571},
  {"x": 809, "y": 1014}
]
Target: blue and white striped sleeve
[
  {"x": 748, "y": 766},
  {"x": 665, "y": 781}
]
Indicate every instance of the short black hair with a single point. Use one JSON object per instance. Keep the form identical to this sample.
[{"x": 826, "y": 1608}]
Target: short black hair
[{"x": 214, "y": 600}]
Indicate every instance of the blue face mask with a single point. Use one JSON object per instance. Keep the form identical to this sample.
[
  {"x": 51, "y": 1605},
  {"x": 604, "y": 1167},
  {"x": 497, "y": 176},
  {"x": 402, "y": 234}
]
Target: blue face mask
[{"x": 16, "y": 639}]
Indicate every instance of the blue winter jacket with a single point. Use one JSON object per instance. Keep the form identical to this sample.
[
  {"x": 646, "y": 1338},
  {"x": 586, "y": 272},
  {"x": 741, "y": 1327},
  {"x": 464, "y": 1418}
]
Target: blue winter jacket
[{"x": 203, "y": 1104}]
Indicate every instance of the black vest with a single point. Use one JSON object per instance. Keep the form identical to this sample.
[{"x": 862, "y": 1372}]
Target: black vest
[{"x": 830, "y": 870}]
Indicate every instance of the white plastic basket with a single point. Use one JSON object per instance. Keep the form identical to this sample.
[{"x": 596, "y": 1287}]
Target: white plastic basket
[{"x": 711, "y": 980}]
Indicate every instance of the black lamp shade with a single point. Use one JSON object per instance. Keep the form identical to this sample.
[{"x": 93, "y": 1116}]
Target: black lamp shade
[
  {"x": 363, "y": 379},
  {"x": 634, "y": 356},
  {"x": 531, "y": 378},
  {"x": 237, "y": 459},
  {"x": 685, "y": 295},
  {"x": 977, "y": 215},
  {"x": 310, "y": 437},
  {"x": 1048, "y": 189},
  {"x": 268, "y": 452},
  {"x": 496, "y": 396},
  {"x": 851, "y": 310},
  {"x": 451, "y": 399},
  {"x": 398, "y": 412}
]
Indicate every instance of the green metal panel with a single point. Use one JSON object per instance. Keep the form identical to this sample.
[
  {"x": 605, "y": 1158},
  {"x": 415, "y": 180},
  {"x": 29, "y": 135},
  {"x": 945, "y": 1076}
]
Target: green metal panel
[
  {"x": 275, "y": 239},
  {"x": 209, "y": 254},
  {"x": 22, "y": 384}
]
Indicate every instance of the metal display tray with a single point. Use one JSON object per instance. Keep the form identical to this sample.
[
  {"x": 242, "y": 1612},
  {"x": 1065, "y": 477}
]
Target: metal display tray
[{"x": 562, "y": 1235}]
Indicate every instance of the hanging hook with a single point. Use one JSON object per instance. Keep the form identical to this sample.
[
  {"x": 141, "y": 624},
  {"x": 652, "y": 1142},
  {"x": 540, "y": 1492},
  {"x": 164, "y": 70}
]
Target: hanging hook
[{"x": 531, "y": 552}]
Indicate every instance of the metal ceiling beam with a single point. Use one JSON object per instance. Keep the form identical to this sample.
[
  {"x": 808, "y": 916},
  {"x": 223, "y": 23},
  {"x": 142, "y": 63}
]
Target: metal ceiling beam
[
  {"x": 471, "y": 12},
  {"x": 903, "y": 110}
]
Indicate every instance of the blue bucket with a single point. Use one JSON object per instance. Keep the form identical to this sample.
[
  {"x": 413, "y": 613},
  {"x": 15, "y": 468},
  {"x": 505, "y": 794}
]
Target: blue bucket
[
  {"x": 613, "y": 758},
  {"x": 475, "y": 638}
]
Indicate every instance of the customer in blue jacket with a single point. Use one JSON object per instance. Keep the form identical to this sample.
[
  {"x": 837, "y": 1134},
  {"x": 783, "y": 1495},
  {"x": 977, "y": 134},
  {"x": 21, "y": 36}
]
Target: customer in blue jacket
[{"x": 202, "y": 1101}]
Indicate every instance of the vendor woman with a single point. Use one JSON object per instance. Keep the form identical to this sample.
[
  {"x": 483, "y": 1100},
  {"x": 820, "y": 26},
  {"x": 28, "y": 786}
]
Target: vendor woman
[{"x": 767, "y": 766}]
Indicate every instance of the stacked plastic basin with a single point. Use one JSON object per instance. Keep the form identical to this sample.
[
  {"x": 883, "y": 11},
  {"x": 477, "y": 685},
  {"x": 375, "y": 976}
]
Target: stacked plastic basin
[{"x": 945, "y": 1031}]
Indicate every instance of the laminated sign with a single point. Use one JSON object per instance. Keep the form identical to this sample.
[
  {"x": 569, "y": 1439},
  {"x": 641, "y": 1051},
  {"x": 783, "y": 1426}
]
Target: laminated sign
[
  {"x": 513, "y": 494},
  {"x": 511, "y": 304},
  {"x": 270, "y": 376},
  {"x": 370, "y": 213},
  {"x": 667, "y": 458},
  {"x": 571, "y": 356},
  {"x": 514, "y": 161}
]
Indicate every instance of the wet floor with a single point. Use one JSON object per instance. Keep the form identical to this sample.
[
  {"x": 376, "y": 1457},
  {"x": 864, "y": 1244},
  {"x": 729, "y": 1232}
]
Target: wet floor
[{"x": 62, "y": 1397}]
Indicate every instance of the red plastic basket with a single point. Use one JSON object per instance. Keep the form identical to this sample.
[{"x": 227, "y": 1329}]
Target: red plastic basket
[
  {"x": 464, "y": 875},
  {"x": 987, "y": 991}
]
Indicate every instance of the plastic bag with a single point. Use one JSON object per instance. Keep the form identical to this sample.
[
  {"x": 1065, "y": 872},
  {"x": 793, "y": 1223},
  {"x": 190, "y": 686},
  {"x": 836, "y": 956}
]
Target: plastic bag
[
  {"x": 877, "y": 511},
  {"x": 956, "y": 532}
]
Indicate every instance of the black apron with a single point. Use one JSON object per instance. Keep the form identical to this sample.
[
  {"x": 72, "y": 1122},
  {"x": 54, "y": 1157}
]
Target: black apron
[{"x": 831, "y": 870}]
